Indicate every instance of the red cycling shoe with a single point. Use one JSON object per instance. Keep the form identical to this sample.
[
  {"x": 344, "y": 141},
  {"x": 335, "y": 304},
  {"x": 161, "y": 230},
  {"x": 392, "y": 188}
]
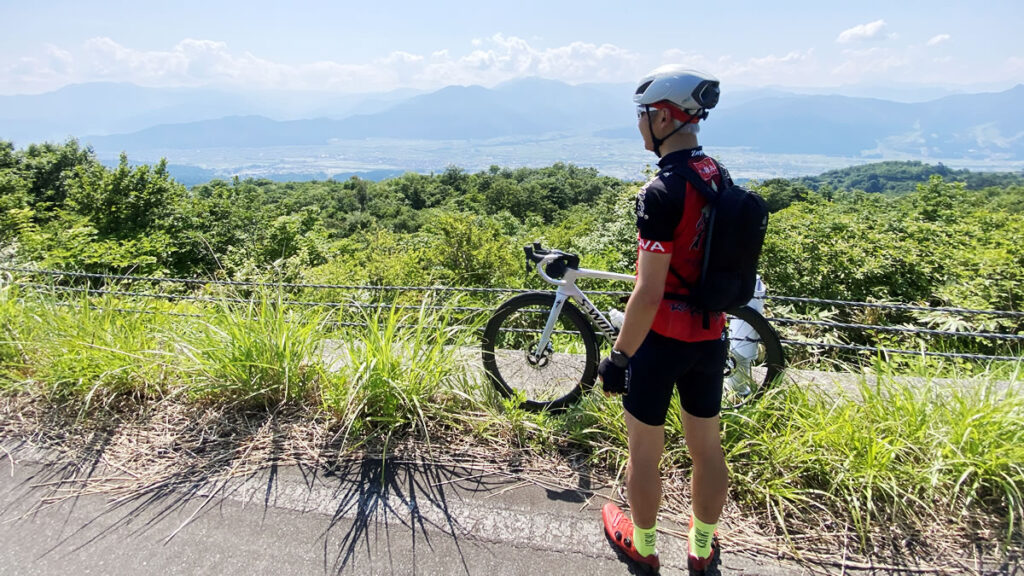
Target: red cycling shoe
[
  {"x": 699, "y": 566},
  {"x": 619, "y": 529},
  {"x": 696, "y": 565}
]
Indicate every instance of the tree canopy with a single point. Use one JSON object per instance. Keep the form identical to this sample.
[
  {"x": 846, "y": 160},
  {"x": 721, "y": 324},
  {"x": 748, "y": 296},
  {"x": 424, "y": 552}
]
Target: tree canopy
[{"x": 901, "y": 231}]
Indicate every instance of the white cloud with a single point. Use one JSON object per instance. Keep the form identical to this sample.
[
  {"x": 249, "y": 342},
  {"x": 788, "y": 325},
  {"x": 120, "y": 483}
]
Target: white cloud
[
  {"x": 58, "y": 60},
  {"x": 190, "y": 62},
  {"x": 690, "y": 59},
  {"x": 871, "y": 31},
  {"x": 772, "y": 60},
  {"x": 482, "y": 61},
  {"x": 194, "y": 62},
  {"x": 501, "y": 58},
  {"x": 796, "y": 67}
]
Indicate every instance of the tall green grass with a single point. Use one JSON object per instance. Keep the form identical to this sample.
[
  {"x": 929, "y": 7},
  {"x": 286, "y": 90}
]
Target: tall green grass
[
  {"x": 260, "y": 353},
  {"x": 891, "y": 451},
  {"x": 895, "y": 452},
  {"x": 85, "y": 350},
  {"x": 15, "y": 334},
  {"x": 403, "y": 372}
]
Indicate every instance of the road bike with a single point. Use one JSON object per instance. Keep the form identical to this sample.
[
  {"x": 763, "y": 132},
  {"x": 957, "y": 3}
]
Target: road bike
[{"x": 544, "y": 350}]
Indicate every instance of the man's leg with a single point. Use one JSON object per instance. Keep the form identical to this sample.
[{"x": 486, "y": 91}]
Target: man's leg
[
  {"x": 709, "y": 485},
  {"x": 643, "y": 474}
]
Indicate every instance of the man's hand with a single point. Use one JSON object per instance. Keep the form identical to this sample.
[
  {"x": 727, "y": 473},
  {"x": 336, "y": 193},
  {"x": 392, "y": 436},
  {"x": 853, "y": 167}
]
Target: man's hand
[{"x": 614, "y": 379}]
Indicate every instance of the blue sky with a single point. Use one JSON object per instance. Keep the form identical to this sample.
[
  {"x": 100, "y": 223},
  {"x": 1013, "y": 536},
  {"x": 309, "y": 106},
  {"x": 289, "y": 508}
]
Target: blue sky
[{"x": 375, "y": 46}]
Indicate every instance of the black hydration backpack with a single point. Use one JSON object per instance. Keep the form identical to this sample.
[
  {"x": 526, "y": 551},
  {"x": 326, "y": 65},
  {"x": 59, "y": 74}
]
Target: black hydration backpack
[{"x": 735, "y": 233}]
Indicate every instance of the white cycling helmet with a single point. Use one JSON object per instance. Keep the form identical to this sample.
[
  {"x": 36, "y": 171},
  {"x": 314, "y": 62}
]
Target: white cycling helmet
[
  {"x": 688, "y": 93},
  {"x": 692, "y": 91}
]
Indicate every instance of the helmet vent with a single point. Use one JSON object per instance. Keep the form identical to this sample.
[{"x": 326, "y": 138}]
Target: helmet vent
[
  {"x": 643, "y": 87},
  {"x": 706, "y": 94}
]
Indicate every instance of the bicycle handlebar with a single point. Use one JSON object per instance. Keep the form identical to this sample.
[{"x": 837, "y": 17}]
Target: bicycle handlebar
[
  {"x": 551, "y": 264},
  {"x": 546, "y": 261}
]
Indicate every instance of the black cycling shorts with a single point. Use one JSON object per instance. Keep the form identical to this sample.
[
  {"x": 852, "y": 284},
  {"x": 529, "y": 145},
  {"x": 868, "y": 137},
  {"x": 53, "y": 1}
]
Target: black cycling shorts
[{"x": 661, "y": 364}]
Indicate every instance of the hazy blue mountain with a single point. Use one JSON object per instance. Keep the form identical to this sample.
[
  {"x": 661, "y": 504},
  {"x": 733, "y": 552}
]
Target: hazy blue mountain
[
  {"x": 954, "y": 126},
  {"x": 455, "y": 112},
  {"x": 104, "y": 108},
  {"x": 229, "y": 132},
  {"x": 107, "y": 108},
  {"x": 562, "y": 107},
  {"x": 732, "y": 99},
  {"x": 520, "y": 108},
  {"x": 985, "y": 125}
]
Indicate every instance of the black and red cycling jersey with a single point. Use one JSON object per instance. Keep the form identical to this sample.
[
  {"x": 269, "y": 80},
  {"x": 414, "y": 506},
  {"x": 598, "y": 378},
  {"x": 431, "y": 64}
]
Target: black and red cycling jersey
[{"x": 670, "y": 219}]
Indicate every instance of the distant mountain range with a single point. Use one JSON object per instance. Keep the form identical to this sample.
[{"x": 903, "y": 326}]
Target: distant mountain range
[
  {"x": 103, "y": 108},
  {"x": 964, "y": 125},
  {"x": 115, "y": 117}
]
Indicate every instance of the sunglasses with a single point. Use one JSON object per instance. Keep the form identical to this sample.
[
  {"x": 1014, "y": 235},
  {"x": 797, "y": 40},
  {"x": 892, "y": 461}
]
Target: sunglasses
[{"x": 642, "y": 109}]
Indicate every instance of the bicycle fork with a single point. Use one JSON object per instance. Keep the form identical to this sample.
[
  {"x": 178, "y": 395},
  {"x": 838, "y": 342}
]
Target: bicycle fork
[
  {"x": 598, "y": 320},
  {"x": 539, "y": 355}
]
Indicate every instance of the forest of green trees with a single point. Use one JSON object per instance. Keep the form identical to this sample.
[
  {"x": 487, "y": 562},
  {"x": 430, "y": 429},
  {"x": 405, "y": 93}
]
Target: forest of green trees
[
  {"x": 937, "y": 236},
  {"x": 903, "y": 177}
]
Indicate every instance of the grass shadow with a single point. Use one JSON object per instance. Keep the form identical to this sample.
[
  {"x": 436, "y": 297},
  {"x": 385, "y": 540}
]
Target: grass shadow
[{"x": 364, "y": 504}]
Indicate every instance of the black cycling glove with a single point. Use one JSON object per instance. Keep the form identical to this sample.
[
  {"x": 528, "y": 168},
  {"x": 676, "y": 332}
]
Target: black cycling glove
[{"x": 614, "y": 379}]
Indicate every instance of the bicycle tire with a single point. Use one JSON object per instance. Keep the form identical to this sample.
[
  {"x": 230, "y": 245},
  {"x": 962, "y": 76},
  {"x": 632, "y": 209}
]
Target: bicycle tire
[
  {"x": 565, "y": 370},
  {"x": 756, "y": 359}
]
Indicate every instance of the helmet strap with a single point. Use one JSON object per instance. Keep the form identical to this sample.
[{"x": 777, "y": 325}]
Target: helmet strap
[{"x": 701, "y": 114}]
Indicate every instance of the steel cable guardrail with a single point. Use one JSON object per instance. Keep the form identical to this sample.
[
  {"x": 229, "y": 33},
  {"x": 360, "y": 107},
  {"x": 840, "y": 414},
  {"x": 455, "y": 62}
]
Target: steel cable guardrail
[
  {"x": 477, "y": 310},
  {"x": 249, "y": 284},
  {"x": 896, "y": 351},
  {"x": 214, "y": 300},
  {"x": 238, "y": 283},
  {"x": 883, "y": 305},
  {"x": 898, "y": 329}
]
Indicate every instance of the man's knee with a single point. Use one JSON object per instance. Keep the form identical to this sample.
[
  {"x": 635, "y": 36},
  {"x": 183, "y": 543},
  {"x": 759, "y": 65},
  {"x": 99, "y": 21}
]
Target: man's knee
[
  {"x": 646, "y": 443},
  {"x": 706, "y": 454},
  {"x": 703, "y": 439}
]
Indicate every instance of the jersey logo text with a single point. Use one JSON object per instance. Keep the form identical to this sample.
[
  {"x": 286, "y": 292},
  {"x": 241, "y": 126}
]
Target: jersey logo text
[{"x": 652, "y": 246}]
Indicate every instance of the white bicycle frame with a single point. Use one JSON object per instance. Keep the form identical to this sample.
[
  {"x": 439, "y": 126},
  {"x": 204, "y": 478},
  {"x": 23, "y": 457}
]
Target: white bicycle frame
[{"x": 567, "y": 289}]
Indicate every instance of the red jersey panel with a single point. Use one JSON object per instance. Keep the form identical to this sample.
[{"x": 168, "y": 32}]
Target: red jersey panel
[{"x": 670, "y": 218}]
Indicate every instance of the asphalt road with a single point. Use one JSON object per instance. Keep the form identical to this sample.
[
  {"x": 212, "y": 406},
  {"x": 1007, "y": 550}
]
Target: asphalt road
[{"x": 364, "y": 518}]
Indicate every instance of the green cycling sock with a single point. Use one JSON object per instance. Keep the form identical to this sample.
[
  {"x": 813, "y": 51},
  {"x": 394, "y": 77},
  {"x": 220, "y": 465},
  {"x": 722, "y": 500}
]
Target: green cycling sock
[
  {"x": 644, "y": 539},
  {"x": 700, "y": 538}
]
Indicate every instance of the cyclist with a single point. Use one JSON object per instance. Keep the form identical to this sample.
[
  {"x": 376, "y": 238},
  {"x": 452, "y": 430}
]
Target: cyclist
[{"x": 665, "y": 344}]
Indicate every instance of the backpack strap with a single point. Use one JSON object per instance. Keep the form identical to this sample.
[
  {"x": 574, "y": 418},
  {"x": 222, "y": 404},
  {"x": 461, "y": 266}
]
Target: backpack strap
[{"x": 711, "y": 196}]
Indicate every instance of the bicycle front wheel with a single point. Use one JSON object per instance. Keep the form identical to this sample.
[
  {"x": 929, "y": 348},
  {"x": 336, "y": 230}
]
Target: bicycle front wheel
[
  {"x": 551, "y": 378},
  {"x": 755, "y": 358}
]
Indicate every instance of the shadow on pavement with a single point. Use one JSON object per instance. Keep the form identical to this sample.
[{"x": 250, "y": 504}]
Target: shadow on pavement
[{"x": 363, "y": 500}]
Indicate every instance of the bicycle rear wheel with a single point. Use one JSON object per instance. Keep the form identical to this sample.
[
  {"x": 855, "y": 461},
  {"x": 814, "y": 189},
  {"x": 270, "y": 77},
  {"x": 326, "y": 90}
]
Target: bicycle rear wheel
[
  {"x": 755, "y": 358},
  {"x": 557, "y": 376}
]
